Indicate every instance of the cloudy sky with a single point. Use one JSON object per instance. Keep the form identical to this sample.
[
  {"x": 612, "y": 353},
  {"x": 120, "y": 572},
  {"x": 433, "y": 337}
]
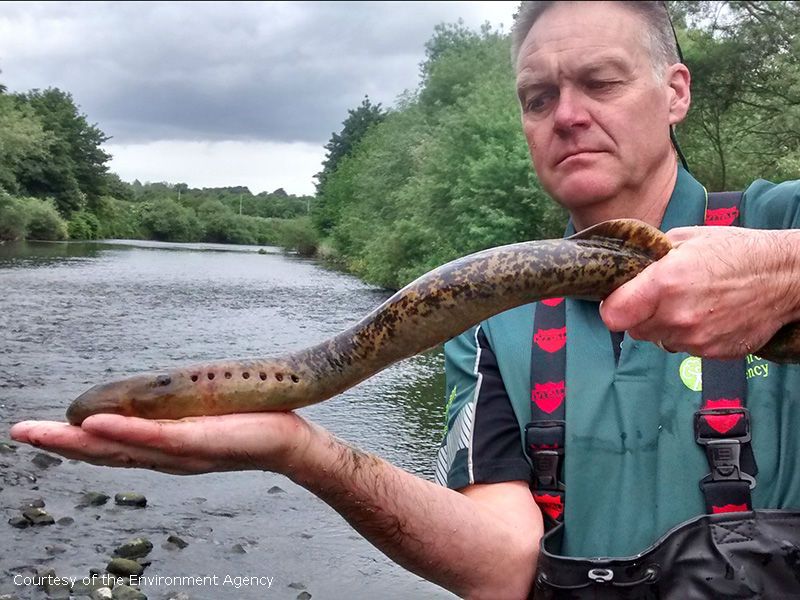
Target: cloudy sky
[{"x": 228, "y": 93}]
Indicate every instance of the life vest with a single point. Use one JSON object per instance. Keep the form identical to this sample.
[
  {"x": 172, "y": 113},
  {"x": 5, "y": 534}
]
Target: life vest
[{"x": 732, "y": 551}]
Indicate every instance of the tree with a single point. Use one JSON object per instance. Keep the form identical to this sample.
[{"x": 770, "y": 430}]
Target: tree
[
  {"x": 745, "y": 116},
  {"x": 23, "y": 141},
  {"x": 341, "y": 144},
  {"x": 74, "y": 172}
]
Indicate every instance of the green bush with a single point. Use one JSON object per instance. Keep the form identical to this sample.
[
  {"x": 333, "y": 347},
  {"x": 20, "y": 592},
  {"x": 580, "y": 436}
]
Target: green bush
[
  {"x": 119, "y": 219},
  {"x": 298, "y": 235},
  {"x": 13, "y": 218},
  {"x": 83, "y": 225},
  {"x": 44, "y": 222},
  {"x": 166, "y": 220}
]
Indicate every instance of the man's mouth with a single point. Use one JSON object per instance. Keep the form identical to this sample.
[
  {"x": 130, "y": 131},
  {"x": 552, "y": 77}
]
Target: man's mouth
[{"x": 577, "y": 154}]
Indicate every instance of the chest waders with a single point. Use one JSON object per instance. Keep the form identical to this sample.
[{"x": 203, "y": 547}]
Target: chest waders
[{"x": 730, "y": 552}]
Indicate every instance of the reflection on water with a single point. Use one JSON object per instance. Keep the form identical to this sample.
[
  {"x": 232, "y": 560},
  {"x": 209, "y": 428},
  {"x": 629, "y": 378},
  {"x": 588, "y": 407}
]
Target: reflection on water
[{"x": 74, "y": 314}]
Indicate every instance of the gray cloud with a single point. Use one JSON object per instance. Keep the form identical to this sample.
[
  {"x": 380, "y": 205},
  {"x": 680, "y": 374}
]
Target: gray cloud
[{"x": 221, "y": 71}]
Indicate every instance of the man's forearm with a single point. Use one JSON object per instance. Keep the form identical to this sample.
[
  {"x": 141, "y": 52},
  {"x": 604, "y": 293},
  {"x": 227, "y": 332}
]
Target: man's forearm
[{"x": 442, "y": 535}]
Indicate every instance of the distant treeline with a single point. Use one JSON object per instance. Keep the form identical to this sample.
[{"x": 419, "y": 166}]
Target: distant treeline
[
  {"x": 55, "y": 185},
  {"x": 443, "y": 173}
]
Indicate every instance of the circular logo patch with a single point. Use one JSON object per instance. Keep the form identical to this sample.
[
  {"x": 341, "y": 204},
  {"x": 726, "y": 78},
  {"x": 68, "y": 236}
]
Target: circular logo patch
[{"x": 691, "y": 372}]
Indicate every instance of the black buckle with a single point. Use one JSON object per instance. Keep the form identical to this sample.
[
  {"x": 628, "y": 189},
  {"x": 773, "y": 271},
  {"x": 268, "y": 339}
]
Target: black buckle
[
  {"x": 724, "y": 451},
  {"x": 720, "y": 412},
  {"x": 544, "y": 445}
]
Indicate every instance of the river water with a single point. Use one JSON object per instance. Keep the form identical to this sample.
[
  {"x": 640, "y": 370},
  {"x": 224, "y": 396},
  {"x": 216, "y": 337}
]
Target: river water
[{"x": 75, "y": 314}]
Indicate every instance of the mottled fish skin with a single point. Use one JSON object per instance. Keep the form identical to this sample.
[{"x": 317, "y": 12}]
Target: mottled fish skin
[{"x": 436, "y": 307}]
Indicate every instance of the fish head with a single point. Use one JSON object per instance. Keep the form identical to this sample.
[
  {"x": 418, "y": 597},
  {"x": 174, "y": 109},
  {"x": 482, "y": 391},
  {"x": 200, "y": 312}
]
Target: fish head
[{"x": 149, "y": 396}]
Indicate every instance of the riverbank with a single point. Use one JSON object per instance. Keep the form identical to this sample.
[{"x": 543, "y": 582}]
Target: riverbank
[{"x": 77, "y": 314}]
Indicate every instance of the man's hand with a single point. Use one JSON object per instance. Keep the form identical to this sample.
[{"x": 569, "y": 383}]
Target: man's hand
[
  {"x": 721, "y": 292},
  {"x": 262, "y": 441},
  {"x": 449, "y": 538}
]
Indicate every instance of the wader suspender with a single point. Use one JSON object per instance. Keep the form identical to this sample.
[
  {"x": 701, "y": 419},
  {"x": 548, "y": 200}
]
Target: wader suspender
[{"x": 722, "y": 425}]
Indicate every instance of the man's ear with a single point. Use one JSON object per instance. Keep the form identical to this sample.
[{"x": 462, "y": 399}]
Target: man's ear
[{"x": 679, "y": 82}]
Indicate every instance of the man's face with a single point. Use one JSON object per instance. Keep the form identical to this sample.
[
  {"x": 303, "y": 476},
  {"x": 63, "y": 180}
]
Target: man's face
[{"x": 594, "y": 115}]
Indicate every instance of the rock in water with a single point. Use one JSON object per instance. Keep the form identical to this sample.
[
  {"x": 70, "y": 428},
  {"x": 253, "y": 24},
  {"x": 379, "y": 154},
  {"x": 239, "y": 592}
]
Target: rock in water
[
  {"x": 125, "y": 592},
  {"x": 130, "y": 499},
  {"x": 180, "y": 543},
  {"x": 124, "y": 567},
  {"x": 37, "y": 516},
  {"x": 19, "y": 522},
  {"x": 45, "y": 461},
  {"x": 135, "y": 548},
  {"x": 93, "y": 499}
]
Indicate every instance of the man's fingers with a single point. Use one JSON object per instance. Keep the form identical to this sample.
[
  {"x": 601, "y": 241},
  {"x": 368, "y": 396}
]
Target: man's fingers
[
  {"x": 76, "y": 443},
  {"x": 630, "y": 304}
]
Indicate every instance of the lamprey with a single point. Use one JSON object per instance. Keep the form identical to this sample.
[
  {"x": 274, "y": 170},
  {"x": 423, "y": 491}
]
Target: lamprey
[{"x": 436, "y": 307}]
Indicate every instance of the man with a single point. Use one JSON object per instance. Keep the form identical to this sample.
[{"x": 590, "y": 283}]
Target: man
[{"x": 598, "y": 101}]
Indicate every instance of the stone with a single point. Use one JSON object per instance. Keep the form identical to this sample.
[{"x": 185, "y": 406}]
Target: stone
[
  {"x": 38, "y": 517},
  {"x": 45, "y": 461},
  {"x": 54, "y": 550},
  {"x": 130, "y": 499},
  {"x": 45, "y": 577},
  {"x": 125, "y": 592},
  {"x": 64, "y": 521},
  {"x": 56, "y": 589},
  {"x": 6, "y": 448},
  {"x": 124, "y": 567},
  {"x": 19, "y": 522},
  {"x": 82, "y": 588},
  {"x": 134, "y": 548},
  {"x": 276, "y": 490},
  {"x": 238, "y": 549},
  {"x": 303, "y": 596},
  {"x": 93, "y": 499},
  {"x": 180, "y": 543},
  {"x": 102, "y": 593},
  {"x": 297, "y": 586},
  {"x": 32, "y": 503}
]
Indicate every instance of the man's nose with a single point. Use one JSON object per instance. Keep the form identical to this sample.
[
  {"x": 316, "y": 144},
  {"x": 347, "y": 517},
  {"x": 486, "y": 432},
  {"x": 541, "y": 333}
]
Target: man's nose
[{"x": 571, "y": 111}]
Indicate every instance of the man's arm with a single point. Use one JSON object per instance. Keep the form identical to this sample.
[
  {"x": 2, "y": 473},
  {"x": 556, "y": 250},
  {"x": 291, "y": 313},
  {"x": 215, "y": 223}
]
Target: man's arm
[
  {"x": 481, "y": 543},
  {"x": 722, "y": 292}
]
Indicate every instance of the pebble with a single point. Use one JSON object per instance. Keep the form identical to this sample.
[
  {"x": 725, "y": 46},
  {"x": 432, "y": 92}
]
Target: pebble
[
  {"x": 103, "y": 593},
  {"x": 124, "y": 592},
  {"x": 238, "y": 549},
  {"x": 93, "y": 499},
  {"x": 180, "y": 543},
  {"x": 276, "y": 490},
  {"x": 32, "y": 503},
  {"x": 64, "y": 521},
  {"x": 37, "y": 516},
  {"x": 124, "y": 567},
  {"x": 303, "y": 596},
  {"x": 297, "y": 586},
  {"x": 135, "y": 548},
  {"x": 45, "y": 461},
  {"x": 130, "y": 499},
  {"x": 19, "y": 522},
  {"x": 6, "y": 448}
]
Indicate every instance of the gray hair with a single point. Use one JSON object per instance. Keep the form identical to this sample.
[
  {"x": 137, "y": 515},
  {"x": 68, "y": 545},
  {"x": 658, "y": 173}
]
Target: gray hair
[{"x": 658, "y": 36}]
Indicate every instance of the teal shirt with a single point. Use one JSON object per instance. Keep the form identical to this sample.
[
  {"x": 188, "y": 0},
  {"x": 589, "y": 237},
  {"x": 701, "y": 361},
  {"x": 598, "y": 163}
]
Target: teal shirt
[{"x": 632, "y": 467}]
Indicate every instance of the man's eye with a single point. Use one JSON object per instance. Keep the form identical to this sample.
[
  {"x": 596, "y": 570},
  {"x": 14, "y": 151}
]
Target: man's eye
[
  {"x": 538, "y": 103},
  {"x": 601, "y": 84}
]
